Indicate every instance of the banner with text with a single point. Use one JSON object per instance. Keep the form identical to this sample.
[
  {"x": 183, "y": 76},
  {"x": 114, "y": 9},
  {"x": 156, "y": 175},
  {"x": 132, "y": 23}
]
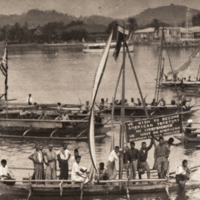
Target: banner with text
[{"x": 161, "y": 126}]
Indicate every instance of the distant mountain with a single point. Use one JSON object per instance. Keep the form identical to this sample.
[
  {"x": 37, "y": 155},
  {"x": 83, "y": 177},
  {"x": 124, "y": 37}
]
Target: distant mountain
[
  {"x": 38, "y": 17},
  {"x": 173, "y": 15}
]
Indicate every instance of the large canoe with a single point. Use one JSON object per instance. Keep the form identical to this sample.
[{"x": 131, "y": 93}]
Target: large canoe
[
  {"x": 49, "y": 129},
  {"x": 153, "y": 111},
  {"x": 178, "y": 83},
  {"x": 90, "y": 190}
]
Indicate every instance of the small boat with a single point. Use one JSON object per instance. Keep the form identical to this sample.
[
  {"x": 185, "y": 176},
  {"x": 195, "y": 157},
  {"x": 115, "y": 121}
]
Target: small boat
[
  {"x": 188, "y": 140},
  {"x": 99, "y": 47}
]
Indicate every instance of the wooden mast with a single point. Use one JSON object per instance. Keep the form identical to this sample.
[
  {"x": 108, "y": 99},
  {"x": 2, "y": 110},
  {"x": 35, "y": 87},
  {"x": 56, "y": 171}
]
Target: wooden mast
[
  {"x": 122, "y": 108},
  {"x": 6, "y": 78}
]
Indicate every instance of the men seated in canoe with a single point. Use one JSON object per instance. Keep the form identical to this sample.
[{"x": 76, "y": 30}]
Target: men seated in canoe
[
  {"x": 63, "y": 156},
  {"x": 162, "y": 102},
  {"x": 43, "y": 116},
  {"x": 142, "y": 159},
  {"x": 23, "y": 114},
  {"x": 189, "y": 131},
  {"x": 139, "y": 102},
  {"x": 153, "y": 103},
  {"x": 102, "y": 172},
  {"x": 79, "y": 174},
  {"x": 59, "y": 106},
  {"x": 87, "y": 107},
  {"x": 65, "y": 116},
  {"x": 111, "y": 168},
  {"x": 98, "y": 117},
  {"x": 133, "y": 102},
  {"x": 37, "y": 157},
  {"x": 182, "y": 174},
  {"x": 133, "y": 160},
  {"x": 183, "y": 102},
  {"x": 4, "y": 173},
  {"x": 126, "y": 102},
  {"x": 29, "y": 99},
  {"x": 59, "y": 117},
  {"x": 50, "y": 161},
  {"x": 161, "y": 155}
]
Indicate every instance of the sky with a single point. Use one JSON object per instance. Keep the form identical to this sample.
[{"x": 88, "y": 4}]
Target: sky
[{"x": 109, "y": 8}]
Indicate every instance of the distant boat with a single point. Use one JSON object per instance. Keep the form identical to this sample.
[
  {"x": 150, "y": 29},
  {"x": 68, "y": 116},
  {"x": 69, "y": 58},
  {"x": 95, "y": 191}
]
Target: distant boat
[{"x": 99, "y": 47}]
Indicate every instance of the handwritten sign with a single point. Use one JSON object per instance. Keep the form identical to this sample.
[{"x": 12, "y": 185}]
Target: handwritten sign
[{"x": 161, "y": 126}]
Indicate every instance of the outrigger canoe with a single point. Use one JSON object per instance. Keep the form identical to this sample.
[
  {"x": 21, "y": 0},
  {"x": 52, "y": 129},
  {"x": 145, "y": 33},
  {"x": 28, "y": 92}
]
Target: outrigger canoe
[
  {"x": 49, "y": 129},
  {"x": 115, "y": 187},
  {"x": 188, "y": 140}
]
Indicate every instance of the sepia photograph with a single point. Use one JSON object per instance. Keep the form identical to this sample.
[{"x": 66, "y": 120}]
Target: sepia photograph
[{"x": 99, "y": 100}]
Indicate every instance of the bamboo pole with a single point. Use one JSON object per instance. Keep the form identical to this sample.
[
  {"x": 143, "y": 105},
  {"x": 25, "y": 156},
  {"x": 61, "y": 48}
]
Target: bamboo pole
[{"x": 140, "y": 91}]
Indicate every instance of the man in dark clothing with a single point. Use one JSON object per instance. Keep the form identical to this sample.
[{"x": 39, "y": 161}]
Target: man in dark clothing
[
  {"x": 132, "y": 160},
  {"x": 142, "y": 159},
  {"x": 189, "y": 130}
]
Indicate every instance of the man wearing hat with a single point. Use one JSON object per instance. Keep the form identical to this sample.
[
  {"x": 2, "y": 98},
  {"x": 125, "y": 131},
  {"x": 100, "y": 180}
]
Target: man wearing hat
[
  {"x": 63, "y": 157},
  {"x": 50, "y": 161},
  {"x": 189, "y": 130},
  {"x": 29, "y": 100}
]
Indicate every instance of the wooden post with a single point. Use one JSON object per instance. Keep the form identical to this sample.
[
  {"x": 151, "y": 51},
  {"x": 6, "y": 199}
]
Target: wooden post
[
  {"x": 144, "y": 106},
  {"x": 122, "y": 110},
  {"x": 181, "y": 120}
]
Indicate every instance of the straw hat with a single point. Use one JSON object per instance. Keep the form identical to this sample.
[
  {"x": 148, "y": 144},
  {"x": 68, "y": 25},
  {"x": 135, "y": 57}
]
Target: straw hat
[{"x": 189, "y": 121}]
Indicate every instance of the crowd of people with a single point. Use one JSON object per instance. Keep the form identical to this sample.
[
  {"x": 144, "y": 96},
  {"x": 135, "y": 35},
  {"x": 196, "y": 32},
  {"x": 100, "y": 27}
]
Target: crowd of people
[{"x": 49, "y": 159}]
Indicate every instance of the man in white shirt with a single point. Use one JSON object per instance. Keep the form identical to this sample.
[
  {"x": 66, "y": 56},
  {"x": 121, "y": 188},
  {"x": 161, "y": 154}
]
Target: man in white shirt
[
  {"x": 63, "y": 158},
  {"x": 111, "y": 168},
  {"x": 4, "y": 173},
  {"x": 182, "y": 174},
  {"x": 78, "y": 173}
]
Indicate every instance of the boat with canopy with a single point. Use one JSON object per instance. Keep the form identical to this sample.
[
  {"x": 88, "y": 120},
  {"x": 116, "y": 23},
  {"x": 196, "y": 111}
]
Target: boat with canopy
[{"x": 120, "y": 186}]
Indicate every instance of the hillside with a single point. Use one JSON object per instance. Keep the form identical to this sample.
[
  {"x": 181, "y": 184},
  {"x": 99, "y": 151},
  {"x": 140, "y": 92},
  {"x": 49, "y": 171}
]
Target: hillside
[
  {"x": 38, "y": 17},
  {"x": 173, "y": 15}
]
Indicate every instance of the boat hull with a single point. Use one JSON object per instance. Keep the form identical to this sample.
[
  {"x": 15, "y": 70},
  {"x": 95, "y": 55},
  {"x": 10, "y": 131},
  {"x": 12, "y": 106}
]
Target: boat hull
[
  {"x": 51, "y": 129},
  {"x": 188, "y": 140},
  {"x": 88, "y": 190},
  {"x": 138, "y": 111}
]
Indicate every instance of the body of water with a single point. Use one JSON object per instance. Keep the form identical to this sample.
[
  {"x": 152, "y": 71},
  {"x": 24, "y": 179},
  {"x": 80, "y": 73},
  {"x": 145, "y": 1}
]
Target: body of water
[{"x": 63, "y": 74}]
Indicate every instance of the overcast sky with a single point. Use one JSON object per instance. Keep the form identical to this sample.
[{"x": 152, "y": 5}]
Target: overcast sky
[{"x": 110, "y": 8}]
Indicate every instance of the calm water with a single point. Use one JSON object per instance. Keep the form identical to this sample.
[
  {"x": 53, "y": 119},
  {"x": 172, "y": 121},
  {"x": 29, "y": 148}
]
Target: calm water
[{"x": 62, "y": 74}]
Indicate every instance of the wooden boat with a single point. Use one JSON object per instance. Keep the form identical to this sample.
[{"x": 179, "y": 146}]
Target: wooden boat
[
  {"x": 99, "y": 47},
  {"x": 153, "y": 111},
  {"x": 49, "y": 129},
  {"x": 109, "y": 188},
  {"x": 188, "y": 140}
]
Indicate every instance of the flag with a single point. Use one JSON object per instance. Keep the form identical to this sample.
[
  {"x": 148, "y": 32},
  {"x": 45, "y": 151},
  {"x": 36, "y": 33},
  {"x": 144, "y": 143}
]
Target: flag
[
  {"x": 4, "y": 66},
  {"x": 120, "y": 39}
]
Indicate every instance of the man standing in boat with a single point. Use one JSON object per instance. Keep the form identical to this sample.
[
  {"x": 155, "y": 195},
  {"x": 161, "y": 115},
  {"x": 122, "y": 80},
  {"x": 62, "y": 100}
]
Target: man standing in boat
[
  {"x": 161, "y": 155},
  {"x": 29, "y": 100},
  {"x": 111, "y": 168},
  {"x": 37, "y": 158},
  {"x": 50, "y": 161},
  {"x": 142, "y": 159},
  {"x": 133, "y": 160},
  {"x": 63, "y": 158},
  {"x": 189, "y": 131},
  {"x": 182, "y": 174}
]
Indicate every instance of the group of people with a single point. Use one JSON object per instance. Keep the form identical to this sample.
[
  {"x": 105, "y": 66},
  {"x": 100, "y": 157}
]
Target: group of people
[
  {"x": 134, "y": 159},
  {"x": 49, "y": 158}
]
